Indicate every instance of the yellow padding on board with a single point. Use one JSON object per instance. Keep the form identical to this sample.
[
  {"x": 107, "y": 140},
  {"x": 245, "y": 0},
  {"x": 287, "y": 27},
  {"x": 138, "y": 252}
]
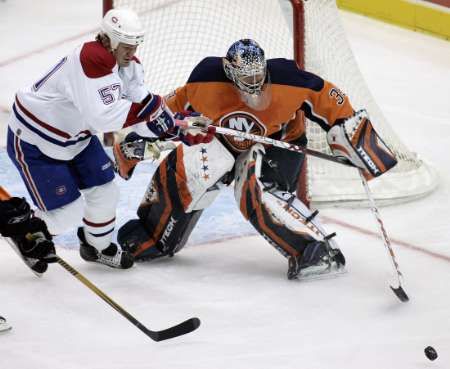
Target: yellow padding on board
[{"x": 416, "y": 15}]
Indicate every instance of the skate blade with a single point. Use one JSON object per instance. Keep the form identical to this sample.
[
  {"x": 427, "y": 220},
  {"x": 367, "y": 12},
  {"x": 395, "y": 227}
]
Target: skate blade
[{"x": 315, "y": 275}]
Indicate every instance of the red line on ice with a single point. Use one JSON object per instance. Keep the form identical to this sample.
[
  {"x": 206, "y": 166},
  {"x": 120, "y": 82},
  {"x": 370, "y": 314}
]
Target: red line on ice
[
  {"x": 45, "y": 48},
  {"x": 407, "y": 245}
]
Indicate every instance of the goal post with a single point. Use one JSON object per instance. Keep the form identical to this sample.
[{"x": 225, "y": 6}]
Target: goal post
[{"x": 180, "y": 33}]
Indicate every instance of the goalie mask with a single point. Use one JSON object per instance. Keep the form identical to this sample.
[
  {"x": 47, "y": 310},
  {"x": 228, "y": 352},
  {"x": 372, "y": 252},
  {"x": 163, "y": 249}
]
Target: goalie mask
[
  {"x": 122, "y": 26},
  {"x": 245, "y": 65}
]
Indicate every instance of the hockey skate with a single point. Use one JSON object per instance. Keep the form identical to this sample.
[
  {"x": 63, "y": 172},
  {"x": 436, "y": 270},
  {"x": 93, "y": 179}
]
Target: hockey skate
[
  {"x": 318, "y": 260},
  {"x": 112, "y": 256},
  {"x": 131, "y": 235}
]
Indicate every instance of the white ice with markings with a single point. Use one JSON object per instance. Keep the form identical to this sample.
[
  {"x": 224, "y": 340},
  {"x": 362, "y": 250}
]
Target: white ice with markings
[{"x": 252, "y": 316}]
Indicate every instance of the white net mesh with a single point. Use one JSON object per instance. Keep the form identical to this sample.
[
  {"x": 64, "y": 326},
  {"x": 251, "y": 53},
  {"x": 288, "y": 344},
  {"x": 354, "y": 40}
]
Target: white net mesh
[
  {"x": 328, "y": 54},
  {"x": 182, "y": 32}
]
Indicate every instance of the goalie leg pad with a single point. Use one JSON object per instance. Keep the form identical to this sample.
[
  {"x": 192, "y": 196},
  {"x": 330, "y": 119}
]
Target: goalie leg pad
[
  {"x": 283, "y": 220},
  {"x": 175, "y": 198},
  {"x": 270, "y": 215},
  {"x": 137, "y": 237},
  {"x": 190, "y": 176},
  {"x": 132, "y": 234},
  {"x": 198, "y": 171}
]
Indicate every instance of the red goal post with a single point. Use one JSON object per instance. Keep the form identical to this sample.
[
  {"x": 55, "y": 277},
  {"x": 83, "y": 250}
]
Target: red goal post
[{"x": 182, "y": 32}]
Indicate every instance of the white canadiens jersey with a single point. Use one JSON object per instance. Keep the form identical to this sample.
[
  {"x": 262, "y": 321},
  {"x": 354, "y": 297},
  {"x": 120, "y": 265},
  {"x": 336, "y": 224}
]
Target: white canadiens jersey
[{"x": 85, "y": 93}]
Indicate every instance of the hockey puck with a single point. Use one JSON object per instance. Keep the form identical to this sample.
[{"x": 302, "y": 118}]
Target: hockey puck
[
  {"x": 431, "y": 353},
  {"x": 4, "y": 326}
]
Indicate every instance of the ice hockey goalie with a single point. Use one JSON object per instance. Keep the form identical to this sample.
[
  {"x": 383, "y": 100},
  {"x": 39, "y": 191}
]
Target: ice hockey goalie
[{"x": 244, "y": 91}]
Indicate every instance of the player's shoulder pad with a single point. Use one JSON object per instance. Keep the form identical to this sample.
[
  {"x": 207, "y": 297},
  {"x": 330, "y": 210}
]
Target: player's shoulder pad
[
  {"x": 95, "y": 60},
  {"x": 209, "y": 69},
  {"x": 285, "y": 72}
]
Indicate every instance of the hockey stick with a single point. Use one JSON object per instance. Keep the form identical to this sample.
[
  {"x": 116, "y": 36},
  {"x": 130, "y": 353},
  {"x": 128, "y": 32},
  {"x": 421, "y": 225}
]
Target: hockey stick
[
  {"x": 172, "y": 332},
  {"x": 264, "y": 140},
  {"x": 399, "y": 291},
  {"x": 178, "y": 330}
]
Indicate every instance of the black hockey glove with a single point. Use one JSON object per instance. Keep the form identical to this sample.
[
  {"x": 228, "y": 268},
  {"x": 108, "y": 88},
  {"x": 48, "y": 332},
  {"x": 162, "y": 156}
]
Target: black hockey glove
[
  {"x": 15, "y": 215},
  {"x": 30, "y": 234},
  {"x": 37, "y": 243}
]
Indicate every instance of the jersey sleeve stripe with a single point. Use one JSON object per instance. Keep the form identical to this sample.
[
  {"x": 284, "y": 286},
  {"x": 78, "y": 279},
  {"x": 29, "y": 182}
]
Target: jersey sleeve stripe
[
  {"x": 142, "y": 111},
  {"x": 308, "y": 109},
  {"x": 150, "y": 104}
]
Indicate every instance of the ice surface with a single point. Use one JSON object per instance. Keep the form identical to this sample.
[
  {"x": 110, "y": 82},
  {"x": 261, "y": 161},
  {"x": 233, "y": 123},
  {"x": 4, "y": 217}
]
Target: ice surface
[{"x": 252, "y": 316}]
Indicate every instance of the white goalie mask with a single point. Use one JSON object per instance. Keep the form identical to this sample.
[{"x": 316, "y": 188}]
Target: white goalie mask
[
  {"x": 122, "y": 26},
  {"x": 245, "y": 65}
]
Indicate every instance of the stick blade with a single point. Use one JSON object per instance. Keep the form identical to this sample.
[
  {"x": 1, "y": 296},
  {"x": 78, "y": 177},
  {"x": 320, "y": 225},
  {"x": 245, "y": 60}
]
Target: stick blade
[
  {"x": 178, "y": 330},
  {"x": 400, "y": 293}
]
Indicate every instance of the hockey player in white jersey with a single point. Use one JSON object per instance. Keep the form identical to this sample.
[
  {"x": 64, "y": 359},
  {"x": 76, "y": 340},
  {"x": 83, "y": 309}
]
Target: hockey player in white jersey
[{"x": 99, "y": 87}]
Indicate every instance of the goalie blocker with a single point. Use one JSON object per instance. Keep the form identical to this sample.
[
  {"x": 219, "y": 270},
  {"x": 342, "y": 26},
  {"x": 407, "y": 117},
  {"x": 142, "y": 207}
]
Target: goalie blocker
[{"x": 356, "y": 140}]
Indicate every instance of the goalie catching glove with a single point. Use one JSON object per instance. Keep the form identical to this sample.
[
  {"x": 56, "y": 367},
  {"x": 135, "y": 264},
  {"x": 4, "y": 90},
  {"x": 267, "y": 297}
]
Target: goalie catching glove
[
  {"x": 355, "y": 140},
  {"x": 134, "y": 149}
]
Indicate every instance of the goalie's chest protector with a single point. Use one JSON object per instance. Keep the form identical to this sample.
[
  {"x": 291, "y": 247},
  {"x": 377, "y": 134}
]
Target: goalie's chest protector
[{"x": 211, "y": 93}]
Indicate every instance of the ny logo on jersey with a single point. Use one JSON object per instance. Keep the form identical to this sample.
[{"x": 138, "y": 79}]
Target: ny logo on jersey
[
  {"x": 244, "y": 122},
  {"x": 241, "y": 124}
]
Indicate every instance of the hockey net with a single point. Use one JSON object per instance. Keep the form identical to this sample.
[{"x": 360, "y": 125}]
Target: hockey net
[{"x": 182, "y": 32}]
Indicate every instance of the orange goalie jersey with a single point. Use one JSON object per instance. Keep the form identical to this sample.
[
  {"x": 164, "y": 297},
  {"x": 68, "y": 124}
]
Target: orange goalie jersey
[{"x": 209, "y": 92}]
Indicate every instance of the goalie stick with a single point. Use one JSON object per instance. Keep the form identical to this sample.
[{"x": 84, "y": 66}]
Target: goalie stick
[
  {"x": 185, "y": 124},
  {"x": 399, "y": 290},
  {"x": 180, "y": 329}
]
